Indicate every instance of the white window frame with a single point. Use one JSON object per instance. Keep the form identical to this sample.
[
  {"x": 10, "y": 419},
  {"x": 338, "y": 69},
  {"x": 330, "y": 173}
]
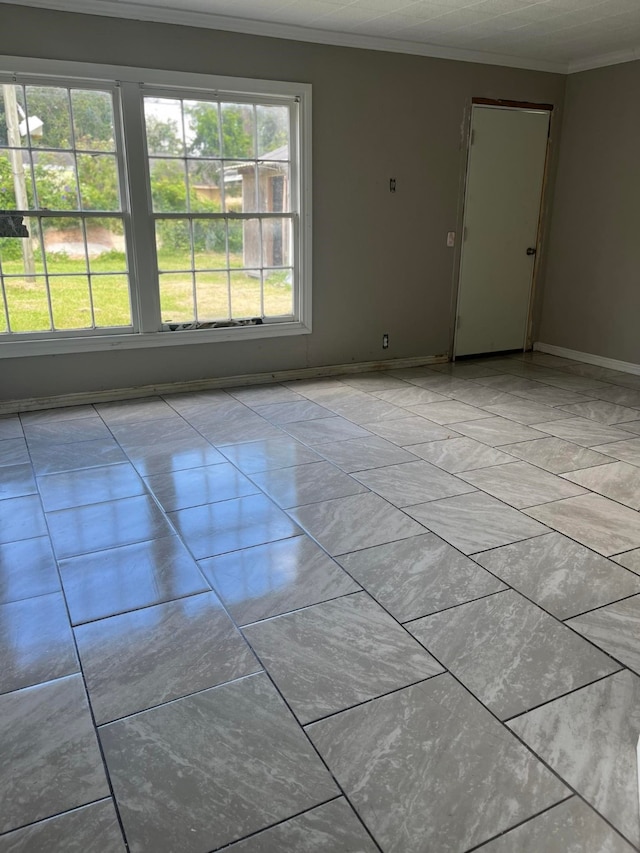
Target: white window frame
[{"x": 139, "y": 225}]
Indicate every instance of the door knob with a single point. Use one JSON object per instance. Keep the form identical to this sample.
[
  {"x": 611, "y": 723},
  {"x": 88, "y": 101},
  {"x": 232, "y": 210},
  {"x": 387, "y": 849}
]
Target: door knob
[{"x": 531, "y": 250}]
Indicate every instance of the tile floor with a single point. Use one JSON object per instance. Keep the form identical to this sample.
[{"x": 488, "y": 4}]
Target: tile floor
[{"x": 391, "y": 612}]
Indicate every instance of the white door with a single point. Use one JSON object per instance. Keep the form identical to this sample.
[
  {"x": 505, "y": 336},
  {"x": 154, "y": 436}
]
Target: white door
[{"x": 502, "y": 208}]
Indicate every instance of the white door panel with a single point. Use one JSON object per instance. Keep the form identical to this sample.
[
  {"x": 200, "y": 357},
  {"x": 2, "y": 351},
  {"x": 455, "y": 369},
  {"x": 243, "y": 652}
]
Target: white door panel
[{"x": 502, "y": 208}]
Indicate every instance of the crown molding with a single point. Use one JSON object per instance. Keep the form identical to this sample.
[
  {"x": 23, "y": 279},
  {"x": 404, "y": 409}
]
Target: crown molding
[
  {"x": 183, "y": 17},
  {"x": 604, "y": 60}
]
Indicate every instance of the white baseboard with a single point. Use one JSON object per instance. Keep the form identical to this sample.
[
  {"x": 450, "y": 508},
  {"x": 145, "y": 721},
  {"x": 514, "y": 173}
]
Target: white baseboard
[
  {"x": 85, "y": 397},
  {"x": 588, "y": 358}
]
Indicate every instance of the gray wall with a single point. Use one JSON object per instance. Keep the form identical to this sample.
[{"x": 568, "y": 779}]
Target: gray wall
[
  {"x": 592, "y": 293},
  {"x": 380, "y": 260}
]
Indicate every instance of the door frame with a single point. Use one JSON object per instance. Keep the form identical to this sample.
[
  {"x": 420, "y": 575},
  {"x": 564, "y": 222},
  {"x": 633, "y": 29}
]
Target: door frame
[{"x": 462, "y": 197}]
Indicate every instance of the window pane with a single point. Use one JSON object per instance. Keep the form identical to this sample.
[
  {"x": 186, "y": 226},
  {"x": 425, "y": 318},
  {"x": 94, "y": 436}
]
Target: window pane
[
  {"x": 273, "y": 187},
  {"x": 111, "y": 304},
  {"x": 210, "y": 238},
  {"x": 238, "y": 131},
  {"x": 249, "y": 176},
  {"x": 213, "y": 296},
  {"x": 106, "y": 244},
  {"x": 176, "y": 298},
  {"x": 93, "y": 120},
  {"x": 202, "y": 120},
  {"x": 204, "y": 185},
  {"x": 28, "y": 304},
  {"x": 55, "y": 175},
  {"x": 276, "y": 242},
  {"x": 48, "y": 117},
  {"x": 163, "y": 121},
  {"x": 278, "y": 293},
  {"x": 173, "y": 241},
  {"x": 168, "y": 185},
  {"x": 235, "y": 231},
  {"x": 273, "y": 132},
  {"x": 16, "y": 183},
  {"x": 22, "y": 256},
  {"x": 64, "y": 242},
  {"x": 245, "y": 294},
  {"x": 70, "y": 302},
  {"x": 98, "y": 177}
]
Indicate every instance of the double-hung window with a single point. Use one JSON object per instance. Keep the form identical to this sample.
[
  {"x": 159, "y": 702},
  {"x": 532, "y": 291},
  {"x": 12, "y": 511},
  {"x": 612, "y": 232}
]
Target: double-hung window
[{"x": 160, "y": 208}]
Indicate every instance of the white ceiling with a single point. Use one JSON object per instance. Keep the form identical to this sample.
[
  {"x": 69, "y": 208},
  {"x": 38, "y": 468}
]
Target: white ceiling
[{"x": 554, "y": 35}]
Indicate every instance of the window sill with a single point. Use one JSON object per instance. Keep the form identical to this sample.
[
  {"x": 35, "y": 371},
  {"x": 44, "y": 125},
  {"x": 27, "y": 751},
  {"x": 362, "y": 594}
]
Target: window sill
[{"x": 110, "y": 342}]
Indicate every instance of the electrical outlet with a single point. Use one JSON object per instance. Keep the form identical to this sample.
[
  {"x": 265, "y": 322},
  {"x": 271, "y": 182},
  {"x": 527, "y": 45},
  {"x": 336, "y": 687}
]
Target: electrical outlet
[{"x": 385, "y": 342}]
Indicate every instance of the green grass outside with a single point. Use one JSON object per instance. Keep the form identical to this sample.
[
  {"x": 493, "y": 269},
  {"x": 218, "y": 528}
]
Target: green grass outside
[{"x": 70, "y": 300}]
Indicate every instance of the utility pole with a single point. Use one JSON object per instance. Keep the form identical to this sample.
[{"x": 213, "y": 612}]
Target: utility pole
[{"x": 17, "y": 169}]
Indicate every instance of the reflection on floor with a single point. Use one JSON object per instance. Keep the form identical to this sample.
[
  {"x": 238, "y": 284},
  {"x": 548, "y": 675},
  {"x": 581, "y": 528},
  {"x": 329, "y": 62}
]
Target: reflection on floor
[{"x": 393, "y": 611}]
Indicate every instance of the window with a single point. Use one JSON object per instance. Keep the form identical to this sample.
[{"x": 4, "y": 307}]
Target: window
[{"x": 156, "y": 213}]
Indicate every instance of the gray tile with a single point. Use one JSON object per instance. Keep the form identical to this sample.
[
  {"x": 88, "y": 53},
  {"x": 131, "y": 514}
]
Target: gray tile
[
  {"x": 209, "y": 769},
  {"x": 582, "y": 431},
  {"x": 618, "y": 481},
  {"x": 563, "y": 577},
  {"x": 620, "y": 396},
  {"x": 448, "y": 413},
  {"x": 358, "y": 454},
  {"x": 260, "y": 395},
  {"x": 235, "y": 427},
  {"x": 412, "y": 430},
  {"x": 36, "y": 643},
  {"x": 496, "y": 431},
  {"x": 616, "y": 629},
  {"x": 50, "y": 459},
  {"x": 190, "y": 401},
  {"x": 326, "y": 829},
  {"x": 510, "y": 653},
  {"x": 13, "y": 451},
  {"x": 287, "y": 413},
  {"x": 509, "y": 383},
  {"x": 89, "y": 486},
  {"x": 630, "y": 426},
  {"x": 466, "y": 369},
  {"x": 524, "y": 411},
  {"x": 196, "y": 486},
  {"x": 66, "y": 431},
  {"x": 17, "y": 481},
  {"x": 10, "y": 427},
  {"x": 520, "y": 484},
  {"x": 437, "y": 382},
  {"x": 121, "y": 579},
  {"x": 630, "y": 559},
  {"x": 324, "y": 430},
  {"x": 428, "y": 768},
  {"x": 64, "y": 413},
  {"x": 583, "y": 384},
  {"x": 89, "y": 829},
  {"x": 596, "y": 522},
  {"x": 479, "y": 396},
  {"x": 354, "y": 522},
  {"x": 363, "y": 408},
  {"x": 418, "y": 576},
  {"x": 589, "y": 737},
  {"x": 603, "y": 412},
  {"x": 48, "y": 740},
  {"x": 21, "y": 518},
  {"x": 145, "y": 658},
  {"x": 556, "y": 455},
  {"x": 283, "y": 452},
  {"x": 27, "y": 568},
  {"x": 380, "y": 380},
  {"x": 134, "y": 411},
  {"x": 227, "y": 526},
  {"x": 340, "y": 653},
  {"x": 411, "y": 395},
  {"x": 553, "y": 396},
  {"x": 626, "y": 451},
  {"x": 475, "y": 522},
  {"x": 108, "y": 525},
  {"x": 161, "y": 457},
  {"x": 304, "y": 484},
  {"x": 571, "y": 827},
  {"x": 275, "y": 578},
  {"x": 412, "y": 483},
  {"x": 163, "y": 431},
  {"x": 460, "y": 454}
]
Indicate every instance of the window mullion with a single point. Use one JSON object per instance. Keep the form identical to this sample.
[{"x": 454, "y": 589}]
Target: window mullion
[{"x": 140, "y": 224}]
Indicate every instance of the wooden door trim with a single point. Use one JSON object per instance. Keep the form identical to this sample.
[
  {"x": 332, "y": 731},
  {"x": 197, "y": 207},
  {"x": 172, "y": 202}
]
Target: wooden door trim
[{"x": 515, "y": 105}]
